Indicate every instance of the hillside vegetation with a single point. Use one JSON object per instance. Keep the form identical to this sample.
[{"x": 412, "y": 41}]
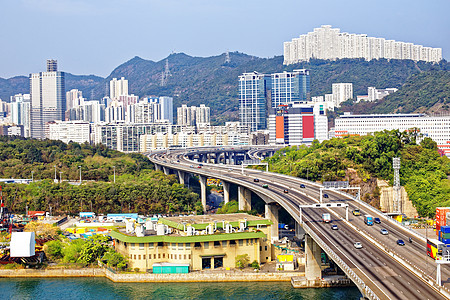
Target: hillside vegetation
[
  {"x": 423, "y": 171},
  {"x": 137, "y": 189},
  {"x": 423, "y": 92},
  {"x": 211, "y": 81}
]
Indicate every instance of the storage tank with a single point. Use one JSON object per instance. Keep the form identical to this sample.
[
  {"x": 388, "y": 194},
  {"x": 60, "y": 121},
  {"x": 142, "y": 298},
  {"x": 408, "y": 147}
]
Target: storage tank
[{"x": 160, "y": 229}]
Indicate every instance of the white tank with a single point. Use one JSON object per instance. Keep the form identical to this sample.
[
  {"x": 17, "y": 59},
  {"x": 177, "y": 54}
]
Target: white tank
[
  {"x": 129, "y": 226},
  {"x": 190, "y": 231},
  {"x": 139, "y": 230},
  {"x": 160, "y": 229}
]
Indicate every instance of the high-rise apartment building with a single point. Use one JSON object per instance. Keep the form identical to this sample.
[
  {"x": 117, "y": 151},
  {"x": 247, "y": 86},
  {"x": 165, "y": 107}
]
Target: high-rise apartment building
[
  {"x": 20, "y": 112},
  {"x": 290, "y": 86},
  {"x": 118, "y": 87},
  {"x": 329, "y": 43},
  {"x": 341, "y": 92},
  {"x": 193, "y": 115},
  {"x": 48, "y": 98},
  {"x": 74, "y": 98},
  {"x": 166, "y": 104},
  {"x": 254, "y": 94}
]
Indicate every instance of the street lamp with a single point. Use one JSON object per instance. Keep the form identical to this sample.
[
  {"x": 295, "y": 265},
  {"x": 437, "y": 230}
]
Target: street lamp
[
  {"x": 32, "y": 177},
  {"x": 60, "y": 180},
  {"x": 56, "y": 180},
  {"x": 114, "y": 167},
  {"x": 80, "y": 174}
]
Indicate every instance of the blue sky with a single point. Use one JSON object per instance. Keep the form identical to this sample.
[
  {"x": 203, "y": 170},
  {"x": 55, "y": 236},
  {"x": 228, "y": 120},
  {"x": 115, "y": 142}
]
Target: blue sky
[{"x": 95, "y": 36}]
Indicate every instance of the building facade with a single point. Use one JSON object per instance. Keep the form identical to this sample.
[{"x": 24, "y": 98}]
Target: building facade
[
  {"x": 329, "y": 43},
  {"x": 193, "y": 115},
  {"x": 435, "y": 127},
  {"x": 118, "y": 87},
  {"x": 341, "y": 92},
  {"x": 48, "y": 99},
  {"x": 70, "y": 131},
  {"x": 20, "y": 112},
  {"x": 290, "y": 87}
]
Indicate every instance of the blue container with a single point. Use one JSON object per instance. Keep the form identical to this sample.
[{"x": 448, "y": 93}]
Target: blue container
[
  {"x": 445, "y": 229},
  {"x": 281, "y": 225},
  {"x": 446, "y": 241}
]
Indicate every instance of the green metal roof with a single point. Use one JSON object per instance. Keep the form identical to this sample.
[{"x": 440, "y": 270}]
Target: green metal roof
[
  {"x": 187, "y": 239},
  {"x": 201, "y": 226}
]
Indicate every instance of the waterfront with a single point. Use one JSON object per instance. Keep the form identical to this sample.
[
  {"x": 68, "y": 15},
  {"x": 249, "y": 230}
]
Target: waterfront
[{"x": 102, "y": 288}]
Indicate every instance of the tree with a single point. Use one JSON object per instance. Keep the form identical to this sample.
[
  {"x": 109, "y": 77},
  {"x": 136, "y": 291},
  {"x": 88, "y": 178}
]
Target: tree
[
  {"x": 242, "y": 261},
  {"x": 255, "y": 265},
  {"x": 53, "y": 250},
  {"x": 114, "y": 260}
]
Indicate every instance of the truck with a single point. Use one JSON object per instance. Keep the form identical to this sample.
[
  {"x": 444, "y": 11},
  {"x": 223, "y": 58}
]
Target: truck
[
  {"x": 368, "y": 219},
  {"x": 326, "y": 218}
]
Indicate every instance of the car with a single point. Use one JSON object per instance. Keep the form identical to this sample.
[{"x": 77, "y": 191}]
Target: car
[
  {"x": 325, "y": 195},
  {"x": 285, "y": 191},
  {"x": 256, "y": 180},
  {"x": 265, "y": 186},
  {"x": 230, "y": 169},
  {"x": 199, "y": 166},
  {"x": 178, "y": 160},
  {"x": 356, "y": 212},
  {"x": 400, "y": 243},
  {"x": 191, "y": 166},
  {"x": 384, "y": 231},
  {"x": 377, "y": 220},
  {"x": 334, "y": 227},
  {"x": 357, "y": 245},
  {"x": 302, "y": 186}
]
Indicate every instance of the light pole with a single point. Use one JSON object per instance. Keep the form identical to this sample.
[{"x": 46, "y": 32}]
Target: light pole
[
  {"x": 60, "y": 178},
  {"x": 32, "y": 177},
  {"x": 56, "y": 180},
  {"x": 114, "y": 167},
  {"x": 80, "y": 174}
]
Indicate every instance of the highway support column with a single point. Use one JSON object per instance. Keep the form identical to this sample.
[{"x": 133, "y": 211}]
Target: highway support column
[
  {"x": 226, "y": 192},
  {"x": 181, "y": 177},
  {"x": 157, "y": 167},
  {"x": 166, "y": 170},
  {"x": 313, "y": 269},
  {"x": 271, "y": 213},
  {"x": 244, "y": 198},
  {"x": 203, "y": 180}
]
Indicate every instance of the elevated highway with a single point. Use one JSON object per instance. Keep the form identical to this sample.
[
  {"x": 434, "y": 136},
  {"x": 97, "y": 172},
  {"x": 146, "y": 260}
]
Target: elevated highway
[{"x": 381, "y": 269}]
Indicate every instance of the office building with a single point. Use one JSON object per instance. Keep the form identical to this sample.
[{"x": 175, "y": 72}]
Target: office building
[
  {"x": 254, "y": 96},
  {"x": 290, "y": 87},
  {"x": 435, "y": 127},
  {"x": 341, "y": 93},
  {"x": 117, "y": 88},
  {"x": 48, "y": 98},
  {"x": 166, "y": 106},
  {"x": 89, "y": 111},
  {"x": 329, "y": 43}
]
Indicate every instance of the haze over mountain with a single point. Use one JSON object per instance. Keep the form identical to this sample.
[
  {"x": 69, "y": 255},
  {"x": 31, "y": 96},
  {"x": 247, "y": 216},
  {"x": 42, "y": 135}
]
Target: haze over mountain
[{"x": 211, "y": 81}]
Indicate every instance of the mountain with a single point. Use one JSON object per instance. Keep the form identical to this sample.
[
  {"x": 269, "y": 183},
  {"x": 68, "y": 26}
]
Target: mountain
[
  {"x": 425, "y": 92},
  {"x": 211, "y": 81}
]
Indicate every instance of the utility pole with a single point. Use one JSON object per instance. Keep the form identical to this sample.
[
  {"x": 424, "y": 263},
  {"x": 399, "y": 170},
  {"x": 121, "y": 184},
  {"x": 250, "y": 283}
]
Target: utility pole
[
  {"x": 80, "y": 174},
  {"x": 60, "y": 177},
  {"x": 114, "y": 174},
  {"x": 32, "y": 177}
]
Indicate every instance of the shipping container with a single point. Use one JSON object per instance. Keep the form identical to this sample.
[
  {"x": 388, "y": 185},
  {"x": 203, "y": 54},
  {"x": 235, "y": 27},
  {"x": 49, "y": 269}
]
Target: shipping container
[
  {"x": 445, "y": 229},
  {"x": 168, "y": 268}
]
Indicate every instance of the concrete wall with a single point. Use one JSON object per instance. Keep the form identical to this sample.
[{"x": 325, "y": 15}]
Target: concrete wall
[
  {"x": 87, "y": 272},
  {"x": 387, "y": 198}
]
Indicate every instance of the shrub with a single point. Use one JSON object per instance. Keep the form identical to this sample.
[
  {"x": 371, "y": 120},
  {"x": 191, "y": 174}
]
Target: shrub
[
  {"x": 255, "y": 265},
  {"x": 53, "y": 250},
  {"x": 242, "y": 261}
]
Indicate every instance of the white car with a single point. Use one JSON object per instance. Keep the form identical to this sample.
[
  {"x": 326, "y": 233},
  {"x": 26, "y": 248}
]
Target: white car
[
  {"x": 358, "y": 245},
  {"x": 384, "y": 231}
]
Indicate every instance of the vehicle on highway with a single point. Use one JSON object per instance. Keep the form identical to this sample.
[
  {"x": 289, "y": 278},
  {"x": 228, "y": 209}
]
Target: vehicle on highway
[
  {"x": 384, "y": 231},
  {"x": 285, "y": 191},
  {"x": 178, "y": 160},
  {"x": 356, "y": 212},
  {"x": 256, "y": 180},
  {"x": 326, "y": 218},
  {"x": 435, "y": 248},
  {"x": 334, "y": 227},
  {"x": 191, "y": 166},
  {"x": 325, "y": 195},
  {"x": 377, "y": 220},
  {"x": 400, "y": 243},
  {"x": 199, "y": 166},
  {"x": 302, "y": 186},
  {"x": 368, "y": 220},
  {"x": 265, "y": 186},
  {"x": 357, "y": 245},
  {"x": 230, "y": 169}
]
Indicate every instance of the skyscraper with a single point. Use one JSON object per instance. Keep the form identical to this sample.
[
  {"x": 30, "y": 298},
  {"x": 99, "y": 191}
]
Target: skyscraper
[
  {"x": 254, "y": 93},
  {"x": 290, "y": 86},
  {"x": 48, "y": 98},
  {"x": 341, "y": 92}
]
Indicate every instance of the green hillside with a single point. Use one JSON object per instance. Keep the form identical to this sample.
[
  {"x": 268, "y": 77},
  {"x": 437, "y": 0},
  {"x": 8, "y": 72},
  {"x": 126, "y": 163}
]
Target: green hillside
[
  {"x": 361, "y": 160},
  {"x": 137, "y": 189},
  {"x": 422, "y": 92}
]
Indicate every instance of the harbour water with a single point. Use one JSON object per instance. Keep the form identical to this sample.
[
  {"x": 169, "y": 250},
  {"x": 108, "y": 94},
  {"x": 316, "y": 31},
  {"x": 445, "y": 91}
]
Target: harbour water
[{"x": 102, "y": 288}]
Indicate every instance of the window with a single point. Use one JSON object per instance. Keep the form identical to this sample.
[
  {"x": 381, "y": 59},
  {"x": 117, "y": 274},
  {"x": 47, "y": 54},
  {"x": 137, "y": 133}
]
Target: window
[
  {"x": 206, "y": 245},
  {"x": 185, "y": 256},
  {"x": 174, "y": 246},
  {"x": 216, "y": 244},
  {"x": 151, "y": 245},
  {"x": 154, "y": 256},
  {"x": 241, "y": 242},
  {"x": 265, "y": 248},
  {"x": 139, "y": 256},
  {"x": 247, "y": 242},
  {"x": 224, "y": 244},
  {"x": 143, "y": 256},
  {"x": 159, "y": 255},
  {"x": 164, "y": 255},
  {"x": 132, "y": 246},
  {"x": 180, "y": 246},
  {"x": 189, "y": 256},
  {"x": 188, "y": 246},
  {"x": 135, "y": 256},
  {"x": 141, "y": 246}
]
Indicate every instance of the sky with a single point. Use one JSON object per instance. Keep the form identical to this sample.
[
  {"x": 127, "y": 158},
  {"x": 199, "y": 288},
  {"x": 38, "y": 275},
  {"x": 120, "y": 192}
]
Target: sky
[{"x": 95, "y": 36}]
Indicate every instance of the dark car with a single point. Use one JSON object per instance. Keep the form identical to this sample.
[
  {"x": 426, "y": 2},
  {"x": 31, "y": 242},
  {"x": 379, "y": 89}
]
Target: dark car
[
  {"x": 325, "y": 195},
  {"x": 285, "y": 191},
  {"x": 265, "y": 186},
  {"x": 400, "y": 243},
  {"x": 302, "y": 186},
  {"x": 377, "y": 220},
  {"x": 256, "y": 180}
]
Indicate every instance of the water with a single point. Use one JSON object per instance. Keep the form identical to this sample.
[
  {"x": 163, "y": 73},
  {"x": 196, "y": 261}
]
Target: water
[{"x": 102, "y": 288}]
